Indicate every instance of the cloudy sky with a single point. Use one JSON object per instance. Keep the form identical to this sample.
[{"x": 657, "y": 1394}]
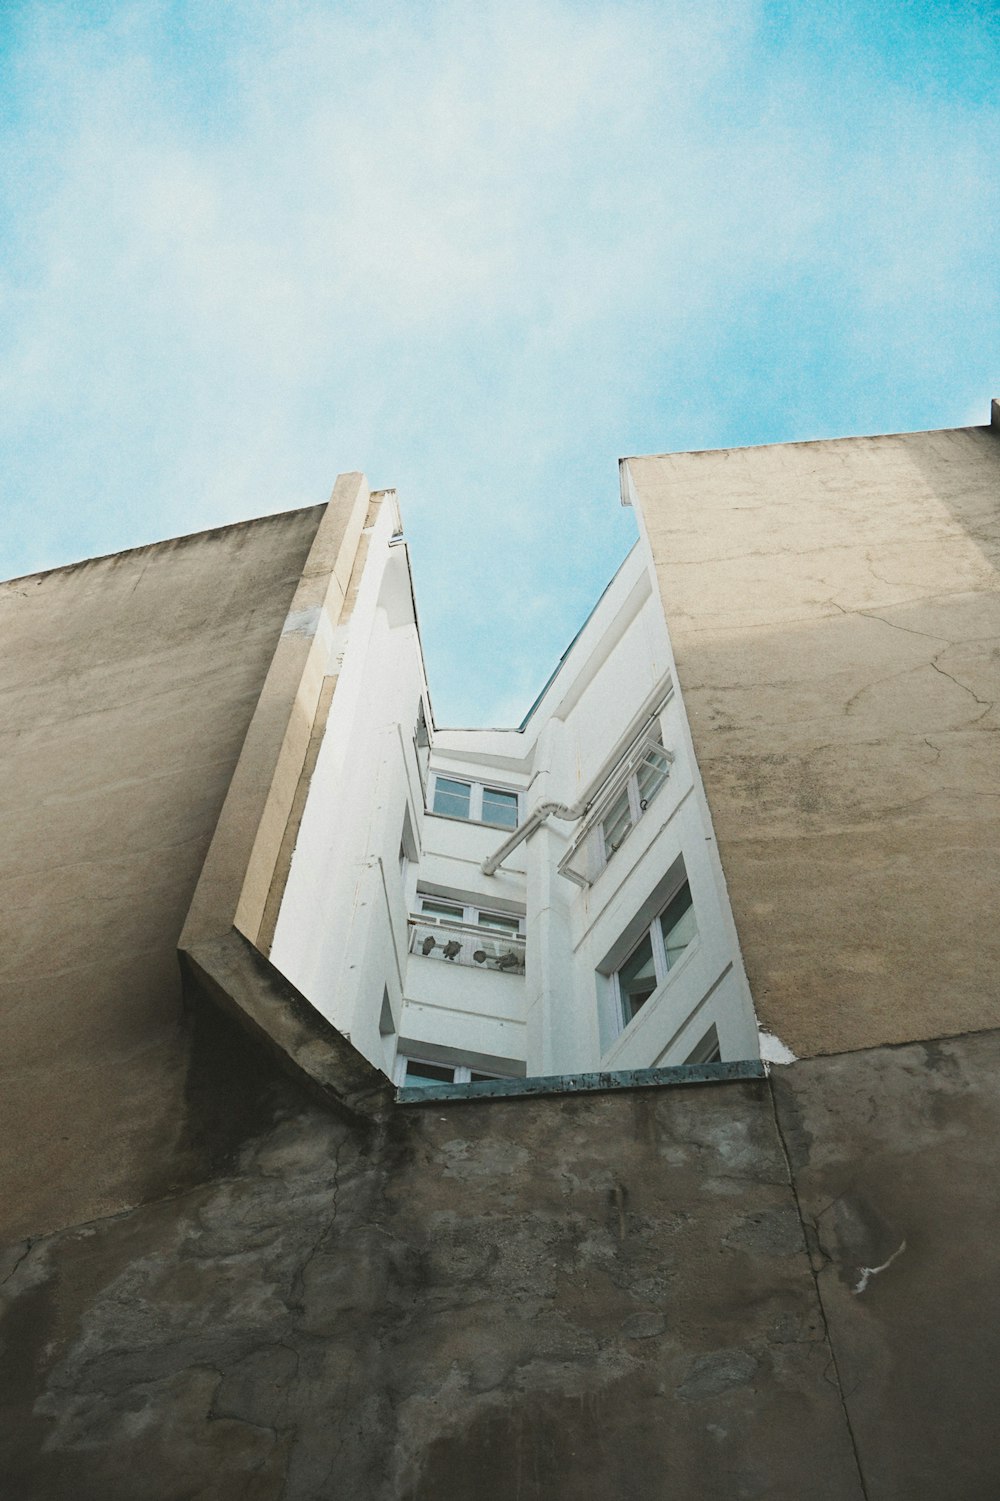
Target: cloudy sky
[{"x": 478, "y": 251}]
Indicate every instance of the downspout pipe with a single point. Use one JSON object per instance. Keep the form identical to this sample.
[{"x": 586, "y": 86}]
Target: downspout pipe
[
  {"x": 572, "y": 812},
  {"x": 568, "y": 811}
]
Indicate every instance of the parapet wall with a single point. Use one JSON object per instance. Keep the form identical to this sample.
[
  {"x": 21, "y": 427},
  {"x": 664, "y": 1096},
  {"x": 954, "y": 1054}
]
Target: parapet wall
[
  {"x": 834, "y": 610},
  {"x": 126, "y": 688},
  {"x": 575, "y": 1297}
]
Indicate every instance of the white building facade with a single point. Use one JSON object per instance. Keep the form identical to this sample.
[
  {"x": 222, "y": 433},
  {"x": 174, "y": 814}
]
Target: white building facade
[{"x": 539, "y": 901}]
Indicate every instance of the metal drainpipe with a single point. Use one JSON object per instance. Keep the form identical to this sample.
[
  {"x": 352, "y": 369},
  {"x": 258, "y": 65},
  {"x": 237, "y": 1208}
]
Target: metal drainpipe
[{"x": 569, "y": 812}]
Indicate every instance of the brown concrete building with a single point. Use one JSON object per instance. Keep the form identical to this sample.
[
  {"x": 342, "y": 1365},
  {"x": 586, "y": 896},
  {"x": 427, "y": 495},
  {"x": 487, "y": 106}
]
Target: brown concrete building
[{"x": 233, "y": 1266}]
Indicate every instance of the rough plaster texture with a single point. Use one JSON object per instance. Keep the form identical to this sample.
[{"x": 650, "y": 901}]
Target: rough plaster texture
[
  {"x": 835, "y": 616},
  {"x": 893, "y": 1154},
  {"x": 126, "y": 687},
  {"x": 582, "y": 1297},
  {"x": 229, "y": 1289},
  {"x": 586, "y": 1297}
]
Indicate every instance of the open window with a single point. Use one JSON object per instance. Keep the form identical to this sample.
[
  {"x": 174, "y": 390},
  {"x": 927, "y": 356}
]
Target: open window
[
  {"x": 630, "y": 790},
  {"x": 422, "y": 743},
  {"x": 408, "y": 852}
]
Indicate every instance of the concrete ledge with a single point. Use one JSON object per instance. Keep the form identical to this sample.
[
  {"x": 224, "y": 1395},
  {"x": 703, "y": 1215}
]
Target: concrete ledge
[
  {"x": 231, "y": 973},
  {"x": 633, "y": 1078}
]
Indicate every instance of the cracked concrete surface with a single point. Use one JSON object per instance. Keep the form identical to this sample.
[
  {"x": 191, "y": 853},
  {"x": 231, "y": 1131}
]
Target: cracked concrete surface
[
  {"x": 580, "y": 1297},
  {"x": 835, "y": 613},
  {"x": 217, "y": 1288},
  {"x": 893, "y": 1148},
  {"x": 624, "y": 1294}
]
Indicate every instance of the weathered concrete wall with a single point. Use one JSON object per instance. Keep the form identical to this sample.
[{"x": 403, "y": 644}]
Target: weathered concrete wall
[
  {"x": 587, "y": 1297},
  {"x": 893, "y": 1153},
  {"x": 126, "y": 687},
  {"x": 218, "y": 1287},
  {"x": 835, "y": 615},
  {"x": 581, "y": 1297}
]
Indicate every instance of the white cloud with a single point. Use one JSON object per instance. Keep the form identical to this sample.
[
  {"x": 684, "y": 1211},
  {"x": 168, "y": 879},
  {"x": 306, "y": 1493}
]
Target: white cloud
[{"x": 478, "y": 251}]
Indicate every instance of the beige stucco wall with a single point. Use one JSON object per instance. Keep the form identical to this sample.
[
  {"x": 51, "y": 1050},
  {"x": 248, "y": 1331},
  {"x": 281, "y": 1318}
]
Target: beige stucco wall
[
  {"x": 126, "y": 687},
  {"x": 834, "y": 611}
]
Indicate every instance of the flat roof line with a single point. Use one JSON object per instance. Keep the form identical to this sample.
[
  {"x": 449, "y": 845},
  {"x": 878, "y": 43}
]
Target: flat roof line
[
  {"x": 633, "y": 1078},
  {"x": 918, "y": 432}
]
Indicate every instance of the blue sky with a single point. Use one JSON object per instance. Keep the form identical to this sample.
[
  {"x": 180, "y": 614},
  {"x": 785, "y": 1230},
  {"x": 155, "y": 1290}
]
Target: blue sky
[{"x": 480, "y": 252}]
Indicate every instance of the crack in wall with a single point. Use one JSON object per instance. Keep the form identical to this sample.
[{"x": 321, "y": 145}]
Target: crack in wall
[
  {"x": 988, "y": 702},
  {"x": 28, "y": 1244},
  {"x": 833, "y": 1366}
]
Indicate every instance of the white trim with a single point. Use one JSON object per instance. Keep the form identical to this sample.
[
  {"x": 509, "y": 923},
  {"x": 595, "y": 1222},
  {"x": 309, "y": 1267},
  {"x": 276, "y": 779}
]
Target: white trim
[{"x": 471, "y": 913}]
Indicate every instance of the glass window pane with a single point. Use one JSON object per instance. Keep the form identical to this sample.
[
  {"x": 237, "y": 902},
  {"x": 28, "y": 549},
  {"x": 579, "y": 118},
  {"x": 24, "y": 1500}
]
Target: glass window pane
[
  {"x": 617, "y": 822},
  {"x": 678, "y": 925},
  {"x": 500, "y": 807},
  {"x": 442, "y": 909},
  {"x": 708, "y": 1050},
  {"x": 651, "y": 775},
  {"x": 428, "y": 1073},
  {"x": 637, "y": 978},
  {"x": 451, "y": 798},
  {"x": 500, "y": 921}
]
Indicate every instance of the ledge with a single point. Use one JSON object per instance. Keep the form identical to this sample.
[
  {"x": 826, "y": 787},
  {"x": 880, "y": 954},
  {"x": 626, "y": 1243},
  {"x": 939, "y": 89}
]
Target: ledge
[
  {"x": 232, "y": 973},
  {"x": 633, "y": 1078}
]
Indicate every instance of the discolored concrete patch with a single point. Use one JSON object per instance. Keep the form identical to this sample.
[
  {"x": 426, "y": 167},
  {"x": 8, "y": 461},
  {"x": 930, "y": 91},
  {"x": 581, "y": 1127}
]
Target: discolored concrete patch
[{"x": 525, "y": 1299}]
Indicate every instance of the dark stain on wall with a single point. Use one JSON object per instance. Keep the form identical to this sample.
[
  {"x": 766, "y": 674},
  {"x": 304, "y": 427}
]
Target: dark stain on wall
[{"x": 587, "y": 1296}]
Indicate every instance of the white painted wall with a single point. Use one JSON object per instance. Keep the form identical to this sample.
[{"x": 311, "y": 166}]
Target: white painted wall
[{"x": 342, "y": 931}]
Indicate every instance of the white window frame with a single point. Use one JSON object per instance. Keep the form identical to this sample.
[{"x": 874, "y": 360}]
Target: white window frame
[
  {"x": 462, "y": 1072},
  {"x": 591, "y": 838},
  {"x": 662, "y": 969},
  {"x": 476, "y": 790},
  {"x": 470, "y": 915},
  {"x": 637, "y": 805},
  {"x": 477, "y": 937}
]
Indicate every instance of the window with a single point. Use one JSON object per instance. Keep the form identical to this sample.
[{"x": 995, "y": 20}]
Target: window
[
  {"x": 476, "y": 802},
  {"x": 464, "y": 933},
  {"x": 407, "y": 845},
  {"x": 643, "y": 783},
  {"x": 500, "y": 807},
  {"x": 421, "y": 744},
  {"x": 708, "y": 1050},
  {"x": 454, "y": 799},
  {"x": 628, "y": 792},
  {"x": 658, "y": 950},
  {"x": 420, "y": 1072},
  {"x": 421, "y": 738}
]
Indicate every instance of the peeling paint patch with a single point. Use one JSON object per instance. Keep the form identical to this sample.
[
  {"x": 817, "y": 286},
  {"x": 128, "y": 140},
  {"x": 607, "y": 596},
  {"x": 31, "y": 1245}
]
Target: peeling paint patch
[
  {"x": 868, "y": 1272},
  {"x": 773, "y": 1050},
  {"x": 302, "y": 622}
]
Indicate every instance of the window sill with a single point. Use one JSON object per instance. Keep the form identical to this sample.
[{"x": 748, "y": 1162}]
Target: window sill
[{"x": 472, "y": 823}]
